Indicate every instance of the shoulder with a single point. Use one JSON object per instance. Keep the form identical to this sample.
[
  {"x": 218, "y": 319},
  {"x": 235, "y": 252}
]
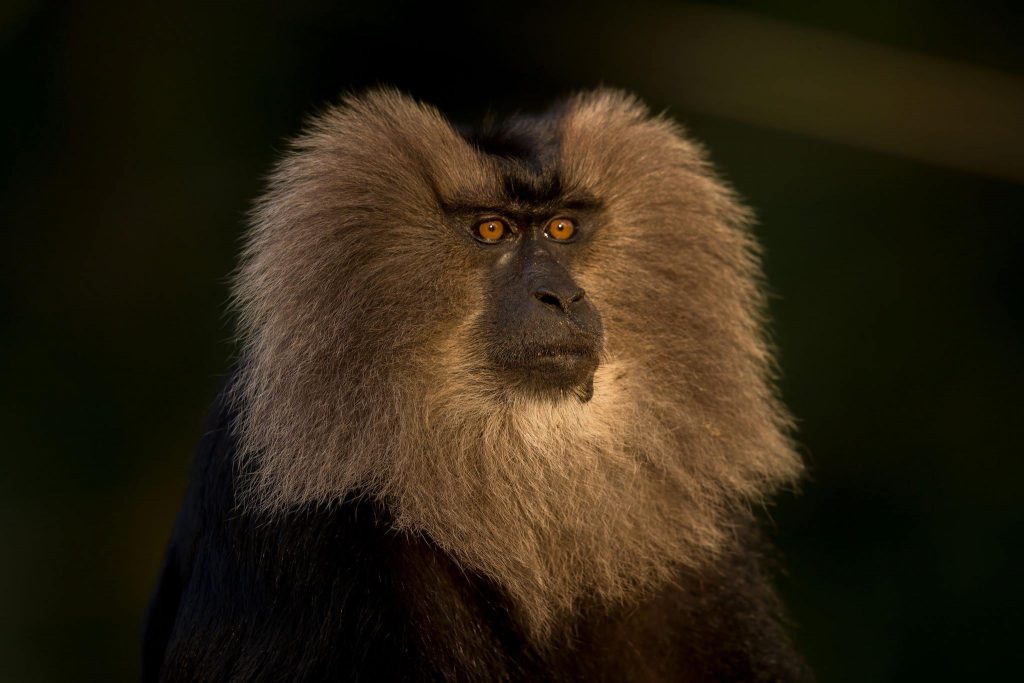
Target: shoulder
[{"x": 308, "y": 591}]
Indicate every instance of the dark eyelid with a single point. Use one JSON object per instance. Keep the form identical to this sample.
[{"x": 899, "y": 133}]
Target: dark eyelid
[{"x": 494, "y": 219}]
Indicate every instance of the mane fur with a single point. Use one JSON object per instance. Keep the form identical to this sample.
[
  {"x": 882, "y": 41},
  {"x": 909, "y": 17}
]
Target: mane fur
[{"x": 364, "y": 372}]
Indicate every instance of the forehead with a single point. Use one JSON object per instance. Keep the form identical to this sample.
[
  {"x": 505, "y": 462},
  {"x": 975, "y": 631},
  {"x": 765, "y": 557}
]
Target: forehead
[{"x": 525, "y": 154}]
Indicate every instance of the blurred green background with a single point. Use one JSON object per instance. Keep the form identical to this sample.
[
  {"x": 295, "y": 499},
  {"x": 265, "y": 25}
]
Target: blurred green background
[{"x": 880, "y": 143}]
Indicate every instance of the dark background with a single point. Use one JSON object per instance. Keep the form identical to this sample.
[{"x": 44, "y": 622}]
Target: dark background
[{"x": 877, "y": 141}]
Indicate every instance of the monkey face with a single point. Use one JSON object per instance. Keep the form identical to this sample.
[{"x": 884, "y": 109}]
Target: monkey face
[{"x": 541, "y": 330}]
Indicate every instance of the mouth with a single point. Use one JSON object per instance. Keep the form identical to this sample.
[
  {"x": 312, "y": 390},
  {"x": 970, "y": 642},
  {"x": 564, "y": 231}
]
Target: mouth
[
  {"x": 554, "y": 367},
  {"x": 562, "y": 351}
]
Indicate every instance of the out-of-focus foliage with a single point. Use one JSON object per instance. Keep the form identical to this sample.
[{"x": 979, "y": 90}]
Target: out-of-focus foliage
[{"x": 133, "y": 137}]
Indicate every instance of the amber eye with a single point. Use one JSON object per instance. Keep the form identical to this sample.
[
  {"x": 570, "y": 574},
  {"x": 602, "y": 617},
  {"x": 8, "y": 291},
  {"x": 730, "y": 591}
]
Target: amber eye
[
  {"x": 561, "y": 229},
  {"x": 490, "y": 230}
]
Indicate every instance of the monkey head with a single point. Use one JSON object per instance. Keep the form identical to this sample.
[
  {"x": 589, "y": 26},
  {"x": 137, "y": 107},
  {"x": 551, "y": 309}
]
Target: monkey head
[{"x": 538, "y": 343}]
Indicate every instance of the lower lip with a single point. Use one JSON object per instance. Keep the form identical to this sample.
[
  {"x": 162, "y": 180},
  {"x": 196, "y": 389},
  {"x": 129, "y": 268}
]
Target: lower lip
[{"x": 561, "y": 360}]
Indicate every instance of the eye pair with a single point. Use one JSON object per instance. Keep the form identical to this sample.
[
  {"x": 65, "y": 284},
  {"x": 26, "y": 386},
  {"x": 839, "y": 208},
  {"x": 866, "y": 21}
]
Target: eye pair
[{"x": 495, "y": 229}]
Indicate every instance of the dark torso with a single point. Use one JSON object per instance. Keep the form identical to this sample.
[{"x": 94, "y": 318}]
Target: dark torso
[{"x": 335, "y": 594}]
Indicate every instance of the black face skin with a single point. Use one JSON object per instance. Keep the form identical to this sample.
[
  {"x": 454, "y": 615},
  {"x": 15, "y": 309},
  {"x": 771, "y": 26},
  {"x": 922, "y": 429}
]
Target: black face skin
[{"x": 542, "y": 328}]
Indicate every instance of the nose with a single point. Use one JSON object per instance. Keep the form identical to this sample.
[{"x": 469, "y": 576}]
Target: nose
[{"x": 559, "y": 298}]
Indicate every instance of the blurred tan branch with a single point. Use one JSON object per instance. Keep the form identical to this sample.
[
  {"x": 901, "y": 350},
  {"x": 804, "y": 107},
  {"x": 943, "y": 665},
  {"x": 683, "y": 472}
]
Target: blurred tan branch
[{"x": 758, "y": 70}]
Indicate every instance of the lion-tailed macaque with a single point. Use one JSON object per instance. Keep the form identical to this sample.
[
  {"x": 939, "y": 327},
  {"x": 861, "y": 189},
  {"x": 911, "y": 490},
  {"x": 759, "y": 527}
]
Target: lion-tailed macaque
[{"x": 502, "y": 411}]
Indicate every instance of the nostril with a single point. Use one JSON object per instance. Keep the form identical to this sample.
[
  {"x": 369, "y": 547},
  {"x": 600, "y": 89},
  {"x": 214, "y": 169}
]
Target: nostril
[
  {"x": 548, "y": 299},
  {"x": 561, "y": 302}
]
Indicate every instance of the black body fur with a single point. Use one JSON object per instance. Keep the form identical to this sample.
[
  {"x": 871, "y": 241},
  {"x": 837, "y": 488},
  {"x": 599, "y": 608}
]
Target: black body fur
[{"x": 334, "y": 594}]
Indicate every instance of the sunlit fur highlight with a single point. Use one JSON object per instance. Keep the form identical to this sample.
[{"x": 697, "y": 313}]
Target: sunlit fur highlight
[{"x": 363, "y": 371}]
